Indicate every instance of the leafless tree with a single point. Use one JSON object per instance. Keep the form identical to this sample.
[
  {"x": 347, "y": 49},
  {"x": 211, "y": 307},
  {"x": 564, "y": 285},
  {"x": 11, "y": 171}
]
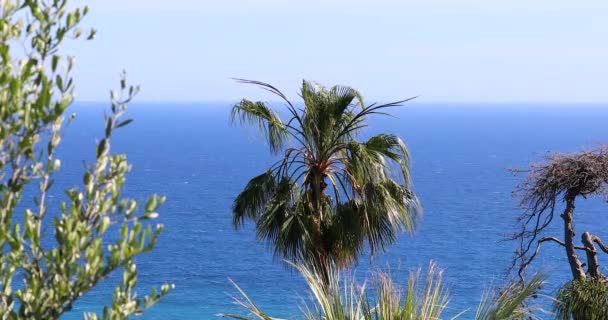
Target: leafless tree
[{"x": 561, "y": 178}]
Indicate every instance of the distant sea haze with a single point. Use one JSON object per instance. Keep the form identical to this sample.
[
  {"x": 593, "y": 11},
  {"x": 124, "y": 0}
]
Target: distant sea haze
[{"x": 461, "y": 159}]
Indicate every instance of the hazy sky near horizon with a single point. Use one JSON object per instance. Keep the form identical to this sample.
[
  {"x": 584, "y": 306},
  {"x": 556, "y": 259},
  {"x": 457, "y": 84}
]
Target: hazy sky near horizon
[{"x": 442, "y": 50}]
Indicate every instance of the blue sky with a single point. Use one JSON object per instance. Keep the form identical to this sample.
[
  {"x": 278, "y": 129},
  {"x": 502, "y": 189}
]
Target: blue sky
[{"x": 443, "y": 50}]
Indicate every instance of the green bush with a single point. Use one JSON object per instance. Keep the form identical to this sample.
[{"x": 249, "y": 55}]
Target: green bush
[
  {"x": 36, "y": 88},
  {"x": 582, "y": 299}
]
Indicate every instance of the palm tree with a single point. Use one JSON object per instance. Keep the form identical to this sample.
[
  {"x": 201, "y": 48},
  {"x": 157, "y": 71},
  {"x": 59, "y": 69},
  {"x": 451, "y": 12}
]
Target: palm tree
[{"x": 328, "y": 194}]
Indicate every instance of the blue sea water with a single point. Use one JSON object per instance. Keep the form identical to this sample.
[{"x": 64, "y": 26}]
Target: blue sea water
[{"x": 461, "y": 156}]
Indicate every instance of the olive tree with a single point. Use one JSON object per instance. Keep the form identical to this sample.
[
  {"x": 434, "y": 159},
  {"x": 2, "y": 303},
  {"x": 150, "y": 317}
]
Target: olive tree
[{"x": 52, "y": 256}]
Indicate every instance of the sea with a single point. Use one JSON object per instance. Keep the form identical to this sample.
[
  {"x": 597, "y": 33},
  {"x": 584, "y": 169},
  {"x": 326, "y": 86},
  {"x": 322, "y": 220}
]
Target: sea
[{"x": 462, "y": 161}]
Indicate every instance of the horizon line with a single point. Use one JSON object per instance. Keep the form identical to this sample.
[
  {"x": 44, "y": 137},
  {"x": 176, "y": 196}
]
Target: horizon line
[{"x": 448, "y": 102}]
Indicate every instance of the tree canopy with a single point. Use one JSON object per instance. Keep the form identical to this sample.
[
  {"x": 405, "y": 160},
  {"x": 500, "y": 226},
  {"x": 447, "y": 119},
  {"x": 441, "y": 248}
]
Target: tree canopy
[
  {"x": 51, "y": 256},
  {"x": 329, "y": 193}
]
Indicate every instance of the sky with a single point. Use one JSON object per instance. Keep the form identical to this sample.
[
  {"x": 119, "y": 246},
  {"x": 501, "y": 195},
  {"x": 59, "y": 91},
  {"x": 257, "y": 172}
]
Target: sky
[{"x": 441, "y": 50}]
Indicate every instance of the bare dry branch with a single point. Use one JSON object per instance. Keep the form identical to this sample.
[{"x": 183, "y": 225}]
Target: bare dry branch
[{"x": 559, "y": 178}]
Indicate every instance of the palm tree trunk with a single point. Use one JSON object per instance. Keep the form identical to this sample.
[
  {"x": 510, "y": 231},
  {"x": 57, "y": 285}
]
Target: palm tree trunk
[
  {"x": 321, "y": 256},
  {"x": 576, "y": 267}
]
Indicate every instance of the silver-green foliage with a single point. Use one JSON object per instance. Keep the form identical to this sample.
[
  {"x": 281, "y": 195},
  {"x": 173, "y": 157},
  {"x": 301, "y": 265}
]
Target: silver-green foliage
[
  {"x": 424, "y": 298},
  {"x": 511, "y": 302},
  {"x": 52, "y": 256},
  {"x": 342, "y": 298}
]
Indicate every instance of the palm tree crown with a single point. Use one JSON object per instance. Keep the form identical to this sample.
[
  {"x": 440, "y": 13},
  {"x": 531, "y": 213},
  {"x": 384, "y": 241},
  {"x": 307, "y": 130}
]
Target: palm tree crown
[{"x": 329, "y": 194}]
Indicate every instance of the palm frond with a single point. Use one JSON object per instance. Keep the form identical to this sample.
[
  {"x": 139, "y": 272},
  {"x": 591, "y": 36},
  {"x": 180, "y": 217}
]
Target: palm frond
[
  {"x": 282, "y": 222},
  {"x": 364, "y": 164},
  {"x": 344, "y": 193},
  {"x": 272, "y": 90},
  {"x": 345, "y": 234},
  {"x": 252, "y": 201},
  {"x": 357, "y": 121},
  {"x": 248, "y": 304},
  {"x": 343, "y": 298},
  {"x": 425, "y": 298},
  {"x": 393, "y": 148},
  {"x": 266, "y": 119},
  {"x": 427, "y": 301},
  {"x": 510, "y": 302},
  {"x": 388, "y": 209},
  {"x": 328, "y": 300},
  {"x": 582, "y": 299},
  {"x": 340, "y": 98}
]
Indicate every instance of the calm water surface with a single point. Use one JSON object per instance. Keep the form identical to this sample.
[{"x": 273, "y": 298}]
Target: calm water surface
[{"x": 461, "y": 156}]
